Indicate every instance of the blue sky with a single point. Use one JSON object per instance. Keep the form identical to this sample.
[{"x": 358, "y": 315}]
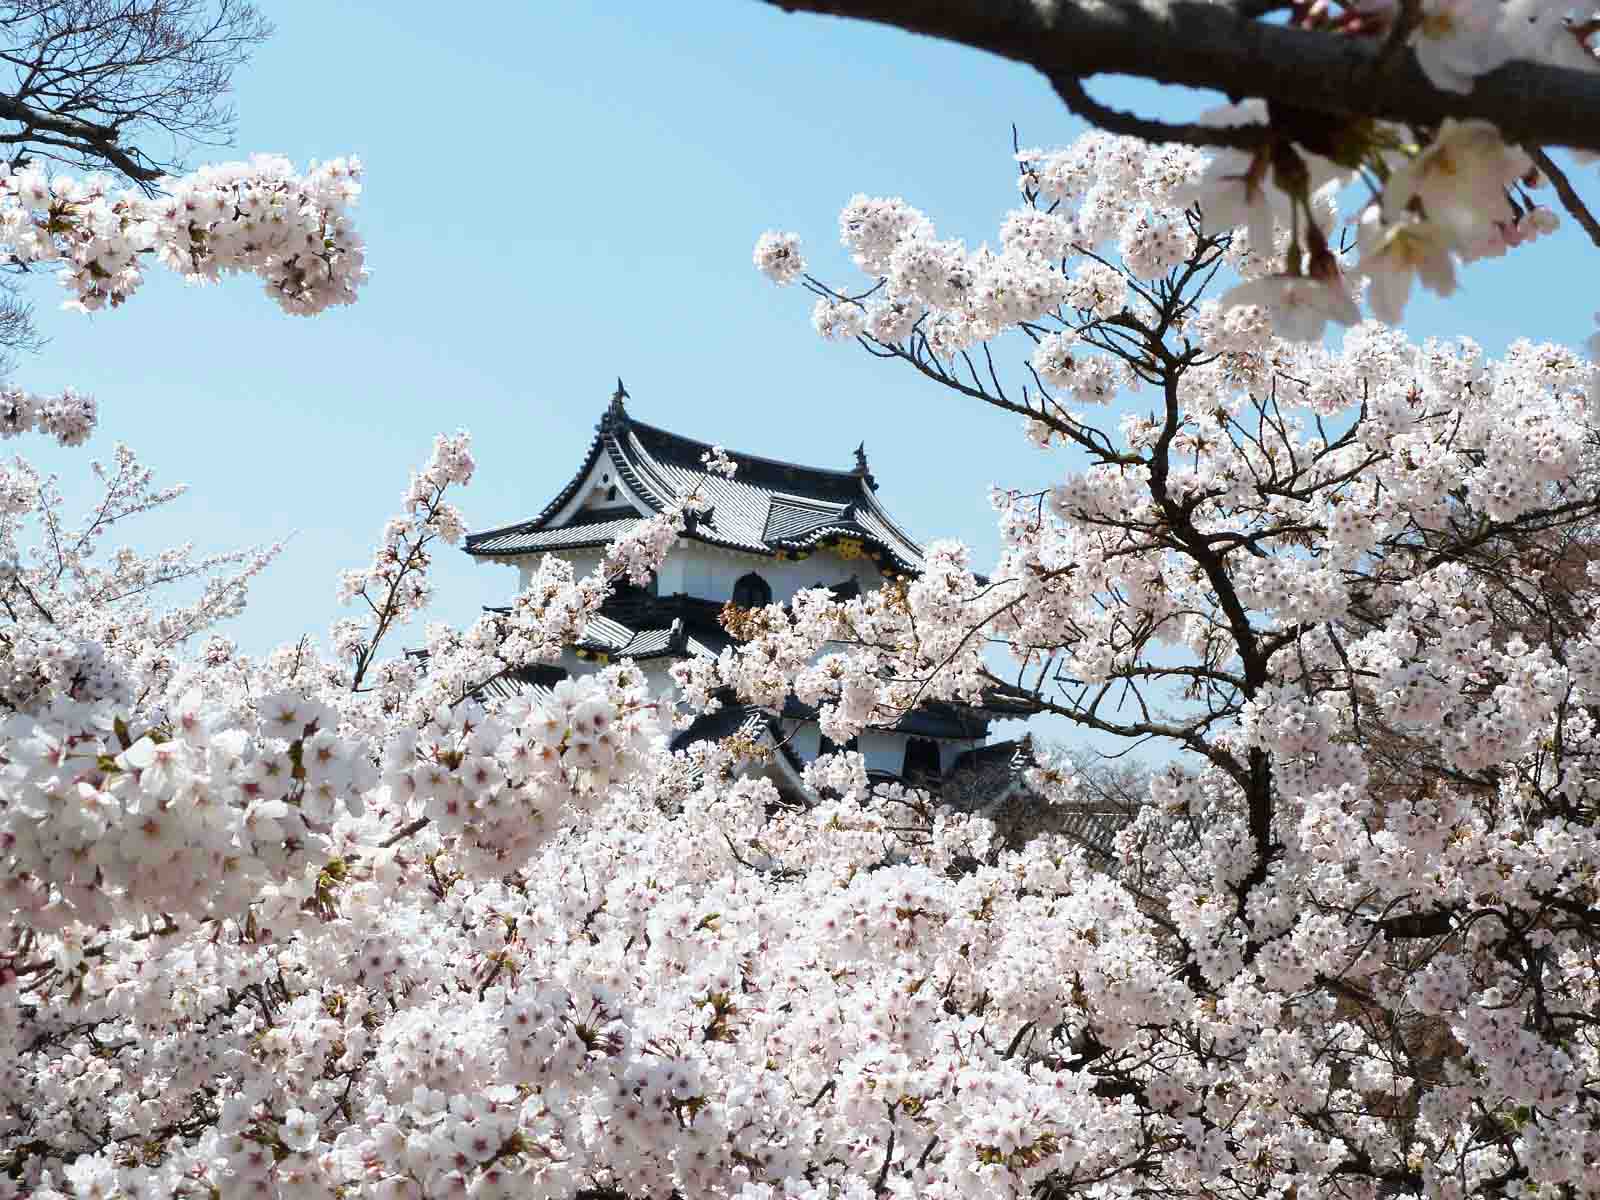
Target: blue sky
[{"x": 559, "y": 194}]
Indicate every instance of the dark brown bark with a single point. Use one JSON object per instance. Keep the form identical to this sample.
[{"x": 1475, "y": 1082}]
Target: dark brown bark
[
  {"x": 1224, "y": 48},
  {"x": 120, "y": 85}
]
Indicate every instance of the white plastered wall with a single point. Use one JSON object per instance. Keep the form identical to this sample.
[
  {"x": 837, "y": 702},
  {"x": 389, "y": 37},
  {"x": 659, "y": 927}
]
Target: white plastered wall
[{"x": 709, "y": 573}]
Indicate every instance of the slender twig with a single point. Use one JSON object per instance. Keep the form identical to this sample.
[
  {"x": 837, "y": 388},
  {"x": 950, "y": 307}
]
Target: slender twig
[
  {"x": 1570, "y": 200},
  {"x": 404, "y": 832},
  {"x": 1078, "y": 101}
]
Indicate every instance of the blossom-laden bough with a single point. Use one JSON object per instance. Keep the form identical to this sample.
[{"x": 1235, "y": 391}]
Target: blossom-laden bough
[
  {"x": 1445, "y": 109},
  {"x": 291, "y": 231}
]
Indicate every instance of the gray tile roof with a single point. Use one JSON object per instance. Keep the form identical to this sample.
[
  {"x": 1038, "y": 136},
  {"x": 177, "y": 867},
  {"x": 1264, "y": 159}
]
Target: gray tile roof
[
  {"x": 747, "y": 719},
  {"x": 992, "y": 780},
  {"x": 788, "y": 517},
  {"x": 768, "y": 507},
  {"x": 1094, "y": 829},
  {"x": 638, "y": 624},
  {"x": 584, "y": 532},
  {"x": 514, "y": 682},
  {"x": 651, "y": 635}
]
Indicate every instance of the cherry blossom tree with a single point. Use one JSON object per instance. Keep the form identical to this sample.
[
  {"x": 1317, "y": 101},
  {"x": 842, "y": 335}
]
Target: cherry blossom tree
[
  {"x": 343, "y": 920},
  {"x": 1350, "y": 589}
]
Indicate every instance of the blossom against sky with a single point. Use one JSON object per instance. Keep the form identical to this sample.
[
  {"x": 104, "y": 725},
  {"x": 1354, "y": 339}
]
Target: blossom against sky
[{"x": 565, "y": 195}]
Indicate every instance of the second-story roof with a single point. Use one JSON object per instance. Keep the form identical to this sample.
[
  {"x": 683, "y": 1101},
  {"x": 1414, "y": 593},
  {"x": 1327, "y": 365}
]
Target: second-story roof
[{"x": 769, "y": 507}]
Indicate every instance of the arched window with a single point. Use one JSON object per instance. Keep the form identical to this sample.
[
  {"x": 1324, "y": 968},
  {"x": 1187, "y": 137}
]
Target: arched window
[
  {"x": 922, "y": 759},
  {"x": 752, "y": 591}
]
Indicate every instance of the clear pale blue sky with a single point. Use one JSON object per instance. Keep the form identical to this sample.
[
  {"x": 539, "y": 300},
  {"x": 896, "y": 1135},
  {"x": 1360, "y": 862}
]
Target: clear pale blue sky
[{"x": 558, "y": 194}]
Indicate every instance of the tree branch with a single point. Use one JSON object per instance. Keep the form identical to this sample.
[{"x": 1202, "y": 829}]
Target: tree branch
[
  {"x": 85, "y": 135},
  {"x": 1206, "y": 45},
  {"x": 91, "y": 83},
  {"x": 1419, "y": 925}
]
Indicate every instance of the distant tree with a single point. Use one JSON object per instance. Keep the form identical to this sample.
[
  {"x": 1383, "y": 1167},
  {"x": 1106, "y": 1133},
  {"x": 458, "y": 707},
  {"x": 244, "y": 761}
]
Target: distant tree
[
  {"x": 124, "y": 86},
  {"x": 98, "y": 84}
]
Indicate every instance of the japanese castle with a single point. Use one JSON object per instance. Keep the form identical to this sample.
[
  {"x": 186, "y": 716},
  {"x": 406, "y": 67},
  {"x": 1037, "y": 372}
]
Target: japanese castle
[{"x": 773, "y": 529}]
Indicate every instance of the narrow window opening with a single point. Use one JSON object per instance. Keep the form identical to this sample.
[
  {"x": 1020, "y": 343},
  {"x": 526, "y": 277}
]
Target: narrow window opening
[
  {"x": 922, "y": 759},
  {"x": 752, "y": 591}
]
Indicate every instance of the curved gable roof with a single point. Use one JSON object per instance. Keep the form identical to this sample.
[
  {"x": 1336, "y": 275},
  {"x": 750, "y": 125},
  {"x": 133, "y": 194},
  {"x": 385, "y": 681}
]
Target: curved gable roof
[{"x": 769, "y": 507}]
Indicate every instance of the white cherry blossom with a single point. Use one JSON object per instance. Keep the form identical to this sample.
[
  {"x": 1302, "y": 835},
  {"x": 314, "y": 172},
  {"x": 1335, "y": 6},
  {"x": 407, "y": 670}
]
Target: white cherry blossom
[{"x": 1394, "y": 253}]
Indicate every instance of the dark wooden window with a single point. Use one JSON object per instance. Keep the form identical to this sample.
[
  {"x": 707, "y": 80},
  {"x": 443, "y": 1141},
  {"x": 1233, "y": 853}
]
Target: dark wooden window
[
  {"x": 922, "y": 758},
  {"x": 752, "y": 591}
]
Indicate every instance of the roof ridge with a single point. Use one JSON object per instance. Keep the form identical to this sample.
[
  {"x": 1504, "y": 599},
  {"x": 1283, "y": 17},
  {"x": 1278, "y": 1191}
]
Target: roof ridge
[
  {"x": 528, "y": 524},
  {"x": 741, "y": 454},
  {"x": 650, "y": 485},
  {"x": 878, "y": 510}
]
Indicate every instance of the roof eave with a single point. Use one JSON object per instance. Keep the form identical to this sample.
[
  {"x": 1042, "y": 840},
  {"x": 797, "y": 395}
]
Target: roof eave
[{"x": 511, "y": 557}]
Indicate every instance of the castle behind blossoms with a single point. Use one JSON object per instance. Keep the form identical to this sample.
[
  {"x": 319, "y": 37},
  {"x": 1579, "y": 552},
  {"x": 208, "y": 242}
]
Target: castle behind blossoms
[{"x": 775, "y": 528}]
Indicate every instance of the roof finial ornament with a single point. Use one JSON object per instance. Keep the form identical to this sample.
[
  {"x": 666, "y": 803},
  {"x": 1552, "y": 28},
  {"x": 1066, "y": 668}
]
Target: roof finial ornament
[
  {"x": 861, "y": 467},
  {"x": 615, "y": 413}
]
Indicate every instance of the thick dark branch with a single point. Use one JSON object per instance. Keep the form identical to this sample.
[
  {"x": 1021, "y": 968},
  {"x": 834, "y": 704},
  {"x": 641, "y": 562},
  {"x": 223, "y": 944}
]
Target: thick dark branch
[
  {"x": 81, "y": 135},
  {"x": 1207, "y": 45},
  {"x": 1419, "y": 925}
]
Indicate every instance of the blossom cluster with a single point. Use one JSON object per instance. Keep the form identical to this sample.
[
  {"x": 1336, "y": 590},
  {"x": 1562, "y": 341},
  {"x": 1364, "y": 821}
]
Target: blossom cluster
[
  {"x": 1455, "y": 41},
  {"x": 395, "y": 586},
  {"x": 69, "y": 417},
  {"x": 262, "y": 217},
  {"x": 1352, "y": 588},
  {"x": 68, "y": 601}
]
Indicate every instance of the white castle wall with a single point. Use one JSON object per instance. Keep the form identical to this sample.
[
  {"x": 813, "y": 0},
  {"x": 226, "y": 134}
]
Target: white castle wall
[{"x": 709, "y": 573}]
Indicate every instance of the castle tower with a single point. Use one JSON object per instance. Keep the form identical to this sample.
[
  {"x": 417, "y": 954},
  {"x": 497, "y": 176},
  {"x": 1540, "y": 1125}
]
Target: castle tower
[{"x": 774, "y": 529}]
